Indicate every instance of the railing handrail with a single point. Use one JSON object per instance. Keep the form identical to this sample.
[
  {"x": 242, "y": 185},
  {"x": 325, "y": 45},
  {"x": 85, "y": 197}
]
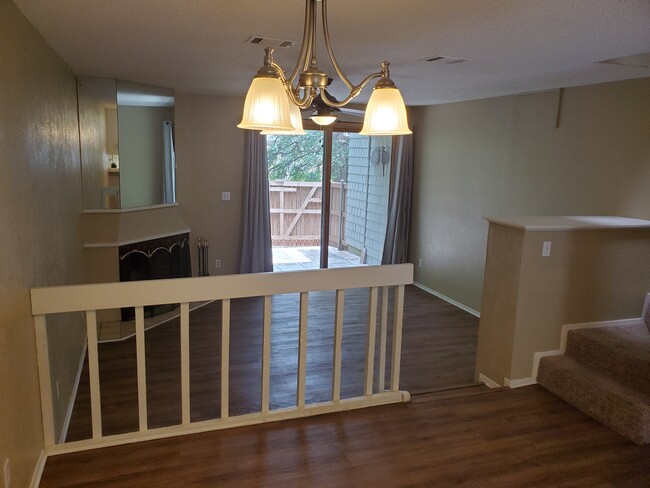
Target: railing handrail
[{"x": 101, "y": 296}]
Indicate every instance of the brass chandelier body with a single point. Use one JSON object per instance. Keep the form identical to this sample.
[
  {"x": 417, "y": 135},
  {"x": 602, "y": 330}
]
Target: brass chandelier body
[{"x": 307, "y": 82}]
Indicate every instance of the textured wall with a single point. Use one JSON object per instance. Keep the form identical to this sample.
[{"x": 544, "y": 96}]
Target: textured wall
[
  {"x": 504, "y": 156},
  {"x": 40, "y": 204},
  {"x": 209, "y": 159}
]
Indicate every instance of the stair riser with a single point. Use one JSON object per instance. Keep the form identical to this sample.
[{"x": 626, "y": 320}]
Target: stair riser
[
  {"x": 631, "y": 371},
  {"x": 631, "y": 420}
]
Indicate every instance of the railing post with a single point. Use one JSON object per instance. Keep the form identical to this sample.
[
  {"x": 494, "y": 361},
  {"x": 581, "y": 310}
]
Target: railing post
[
  {"x": 93, "y": 373},
  {"x": 302, "y": 348},
  {"x": 338, "y": 339},
  {"x": 266, "y": 354},
  {"x": 142, "y": 368},
  {"x": 44, "y": 378},
  {"x": 381, "y": 386},
  {"x": 397, "y": 337},
  {"x": 370, "y": 343},
  {"x": 185, "y": 363},
  {"x": 225, "y": 357}
]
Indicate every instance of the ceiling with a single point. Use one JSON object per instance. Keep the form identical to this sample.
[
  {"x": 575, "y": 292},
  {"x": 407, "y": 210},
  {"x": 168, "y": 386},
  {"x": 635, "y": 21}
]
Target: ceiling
[{"x": 198, "y": 46}]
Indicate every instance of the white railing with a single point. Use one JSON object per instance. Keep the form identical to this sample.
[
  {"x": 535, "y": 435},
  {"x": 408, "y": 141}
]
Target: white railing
[{"x": 90, "y": 298}]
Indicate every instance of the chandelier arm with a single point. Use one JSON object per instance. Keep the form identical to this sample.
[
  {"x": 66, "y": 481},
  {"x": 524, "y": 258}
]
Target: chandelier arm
[
  {"x": 304, "y": 57},
  {"x": 354, "y": 91},
  {"x": 328, "y": 46}
]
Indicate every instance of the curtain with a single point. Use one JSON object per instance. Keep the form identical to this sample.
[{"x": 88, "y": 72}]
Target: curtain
[
  {"x": 169, "y": 163},
  {"x": 256, "y": 253},
  {"x": 396, "y": 242}
]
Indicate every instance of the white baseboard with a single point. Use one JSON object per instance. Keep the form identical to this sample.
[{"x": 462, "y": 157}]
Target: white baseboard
[
  {"x": 73, "y": 395},
  {"x": 518, "y": 383},
  {"x": 38, "y": 470},
  {"x": 467, "y": 309},
  {"x": 488, "y": 382},
  {"x": 563, "y": 339}
]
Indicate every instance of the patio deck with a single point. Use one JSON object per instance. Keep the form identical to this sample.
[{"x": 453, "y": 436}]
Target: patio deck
[{"x": 299, "y": 258}]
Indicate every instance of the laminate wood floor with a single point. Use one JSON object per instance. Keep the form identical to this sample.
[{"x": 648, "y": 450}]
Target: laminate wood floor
[
  {"x": 439, "y": 349},
  {"x": 512, "y": 438}
]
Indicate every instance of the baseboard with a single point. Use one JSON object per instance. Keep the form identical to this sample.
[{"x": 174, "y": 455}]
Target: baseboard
[
  {"x": 447, "y": 299},
  {"x": 38, "y": 470},
  {"x": 518, "y": 383},
  {"x": 563, "y": 339},
  {"x": 488, "y": 382},
  {"x": 73, "y": 395}
]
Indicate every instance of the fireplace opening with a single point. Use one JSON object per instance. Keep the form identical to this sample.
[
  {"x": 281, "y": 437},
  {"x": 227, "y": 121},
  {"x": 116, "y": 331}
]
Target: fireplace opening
[{"x": 155, "y": 259}]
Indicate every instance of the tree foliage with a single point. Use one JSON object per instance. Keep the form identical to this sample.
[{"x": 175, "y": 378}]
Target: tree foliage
[{"x": 300, "y": 158}]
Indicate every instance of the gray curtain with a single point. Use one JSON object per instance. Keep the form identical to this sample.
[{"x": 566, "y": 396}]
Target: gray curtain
[
  {"x": 256, "y": 253},
  {"x": 169, "y": 163},
  {"x": 396, "y": 242}
]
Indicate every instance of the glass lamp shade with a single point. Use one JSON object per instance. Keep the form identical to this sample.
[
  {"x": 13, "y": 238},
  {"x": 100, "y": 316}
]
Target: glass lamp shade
[
  {"x": 296, "y": 122},
  {"x": 266, "y": 106},
  {"x": 385, "y": 114},
  {"x": 323, "y": 119}
]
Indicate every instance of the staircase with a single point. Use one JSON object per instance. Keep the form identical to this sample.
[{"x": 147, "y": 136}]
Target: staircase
[{"x": 605, "y": 372}]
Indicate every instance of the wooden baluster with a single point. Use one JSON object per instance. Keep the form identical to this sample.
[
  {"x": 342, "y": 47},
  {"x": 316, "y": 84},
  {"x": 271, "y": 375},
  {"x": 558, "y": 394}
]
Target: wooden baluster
[
  {"x": 302, "y": 348},
  {"x": 382, "y": 339},
  {"x": 142, "y": 368},
  {"x": 225, "y": 357},
  {"x": 93, "y": 372},
  {"x": 185, "y": 363},
  {"x": 44, "y": 377},
  {"x": 398, "y": 316},
  {"x": 266, "y": 355},
  {"x": 370, "y": 343},
  {"x": 338, "y": 338}
]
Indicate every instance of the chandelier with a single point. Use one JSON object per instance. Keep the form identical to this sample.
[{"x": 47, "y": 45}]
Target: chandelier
[{"x": 273, "y": 101}]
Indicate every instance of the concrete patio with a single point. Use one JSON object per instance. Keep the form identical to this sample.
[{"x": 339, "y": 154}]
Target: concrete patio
[{"x": 298, "y": 258}]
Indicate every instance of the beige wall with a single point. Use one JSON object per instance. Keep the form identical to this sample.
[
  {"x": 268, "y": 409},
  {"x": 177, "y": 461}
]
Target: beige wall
[
  {"x": 504, "y": 156},
  {"x": 209, "y": 159},
  {"x": 40, "y": 204},
  {"x": 141, "y": 154},
  {"x": 590, "y": 276}
]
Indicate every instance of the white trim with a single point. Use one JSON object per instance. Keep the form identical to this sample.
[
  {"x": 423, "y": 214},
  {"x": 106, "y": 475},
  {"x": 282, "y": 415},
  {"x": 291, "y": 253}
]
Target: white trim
[
  {"x": 125, "y": 210},
  {"x": 593, "y": 325},
  {"x": 563, "y": 340},
  {"x": 313, "y": 409},
  {"x": 488, "y": 382},
  {"x": 518, "y": 383},
  {"x": 38, "y": 470},
  {"x": 134, "y": 241},
  {"x": 467, "y": 309},
  {"x": 73, "y": 395}
]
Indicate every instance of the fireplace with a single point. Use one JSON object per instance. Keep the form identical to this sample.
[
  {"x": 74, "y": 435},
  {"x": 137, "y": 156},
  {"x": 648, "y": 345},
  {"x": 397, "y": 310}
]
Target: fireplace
[{"x": 155, "y": 259}]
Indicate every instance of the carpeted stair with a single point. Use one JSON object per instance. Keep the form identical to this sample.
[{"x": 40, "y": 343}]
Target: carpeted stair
[{"x": 605, "y": 372}]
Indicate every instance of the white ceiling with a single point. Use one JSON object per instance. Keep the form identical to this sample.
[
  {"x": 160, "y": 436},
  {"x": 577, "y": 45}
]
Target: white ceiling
[{"x": 512, "y": 46}]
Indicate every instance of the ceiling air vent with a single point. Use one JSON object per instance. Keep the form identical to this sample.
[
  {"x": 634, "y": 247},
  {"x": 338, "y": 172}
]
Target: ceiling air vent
[
  {"x": 270, "y": 42},
  {"x": 444, "y": 59}
]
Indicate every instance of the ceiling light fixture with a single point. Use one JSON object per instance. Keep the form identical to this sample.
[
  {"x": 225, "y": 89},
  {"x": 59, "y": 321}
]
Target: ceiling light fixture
[{"x": 271, "y": 93}]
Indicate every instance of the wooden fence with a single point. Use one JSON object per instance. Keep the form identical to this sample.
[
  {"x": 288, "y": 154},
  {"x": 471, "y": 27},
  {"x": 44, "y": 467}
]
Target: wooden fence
[{"x": 296, "y": 208}]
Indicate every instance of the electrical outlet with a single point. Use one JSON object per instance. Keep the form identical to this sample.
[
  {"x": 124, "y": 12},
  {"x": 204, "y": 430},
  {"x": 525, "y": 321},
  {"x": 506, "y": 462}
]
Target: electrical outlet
[
  {"x": 225, "y": 195},
  {"x": 7, "y": 474},
  {"x": 420, "y": 263},
  {"x": 217, "y": 263},
  {"x": 546, "y": 249}
]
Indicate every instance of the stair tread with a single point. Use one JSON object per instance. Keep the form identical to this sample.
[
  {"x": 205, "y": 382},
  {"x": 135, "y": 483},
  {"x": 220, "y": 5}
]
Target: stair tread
[
  {"x": 598, "y": 394},
  {"x": 631, "y": 340}
]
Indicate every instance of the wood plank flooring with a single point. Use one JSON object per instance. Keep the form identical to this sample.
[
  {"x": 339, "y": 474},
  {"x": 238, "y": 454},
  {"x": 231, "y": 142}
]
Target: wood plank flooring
[
  {"x": 513, "y": 438},
  {"x": 439, "y": 349}
]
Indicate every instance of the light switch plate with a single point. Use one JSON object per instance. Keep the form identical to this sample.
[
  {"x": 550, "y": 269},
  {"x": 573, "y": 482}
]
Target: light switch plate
[
  {"x": 546, "y": 249},
  {"x": 225, "y": 195}
]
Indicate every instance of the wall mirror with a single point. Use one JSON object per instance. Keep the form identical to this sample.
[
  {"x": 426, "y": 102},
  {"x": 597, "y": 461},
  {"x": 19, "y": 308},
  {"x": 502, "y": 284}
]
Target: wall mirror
[{"x": 127, "y": 144}]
